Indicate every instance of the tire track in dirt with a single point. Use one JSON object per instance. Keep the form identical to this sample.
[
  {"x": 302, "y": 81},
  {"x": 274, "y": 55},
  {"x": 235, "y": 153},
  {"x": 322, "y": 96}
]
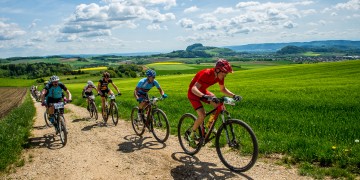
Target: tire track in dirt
[{"x": 115, "y": 152}]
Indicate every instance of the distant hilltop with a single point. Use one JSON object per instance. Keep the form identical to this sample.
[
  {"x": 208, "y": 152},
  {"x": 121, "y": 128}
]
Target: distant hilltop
[{"x": 274, "y": 47}]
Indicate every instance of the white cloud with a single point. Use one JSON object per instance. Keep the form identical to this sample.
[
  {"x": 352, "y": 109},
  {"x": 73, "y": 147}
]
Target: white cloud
[
  {"x": 354, "y": 16},
  {"x": 156, "y": 27},
  {"x": 166, "y": 3},
  {"x": 247, "y": 17},
  {"x": 247, "y": 4},
  {"x": 308, "y": 12},
  {"x": 322, "y": 22},
  {"x": 334, "y": 14},
  {"x": 186, "y": 23},
  {"x": 95, "y": 20},
  {"x": 191, "y": 9},
  {"x": 67, "y": 38},
  {"x": 10, "y": 31},
  {"x": 289, "y": 25},
  {"x": 222, "y": 10},
  {"x": 350, "y": 5}
]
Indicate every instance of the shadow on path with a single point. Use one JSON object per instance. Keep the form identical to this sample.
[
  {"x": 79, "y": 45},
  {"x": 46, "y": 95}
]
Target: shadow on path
[
  {"x": 50, "y": 141},
  {"x": 193, "y": 168},
  {"x": 135, "y": 143}
]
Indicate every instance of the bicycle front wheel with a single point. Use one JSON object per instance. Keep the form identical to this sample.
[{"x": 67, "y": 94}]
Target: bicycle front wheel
[
  {"x": 160, "y": 125},
  {"x": 62, "y": 130},
  {"x": 46, "y": 118},
  {"x": 136, "y": 122},
  {"x": 114, "y": 114},
  {"x": 184, "y": 129},
  {"x": 91, "y": 109},
  {"x": 105, "y": 114},
  {"x": 236, "y": 145},
  {"x": 94, "y": 110}
]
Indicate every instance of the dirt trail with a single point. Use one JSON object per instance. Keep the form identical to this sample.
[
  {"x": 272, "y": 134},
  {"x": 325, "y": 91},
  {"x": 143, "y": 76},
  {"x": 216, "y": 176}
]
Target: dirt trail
[{"x": 115, "y": 152}]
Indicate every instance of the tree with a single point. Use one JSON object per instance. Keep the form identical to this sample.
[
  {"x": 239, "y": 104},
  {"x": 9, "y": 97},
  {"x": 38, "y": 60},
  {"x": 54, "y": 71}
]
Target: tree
[{"x": 191, "y": 47}]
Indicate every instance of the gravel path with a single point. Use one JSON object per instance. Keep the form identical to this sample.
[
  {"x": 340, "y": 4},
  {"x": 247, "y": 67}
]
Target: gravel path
[{"x": 115, "y": 152}]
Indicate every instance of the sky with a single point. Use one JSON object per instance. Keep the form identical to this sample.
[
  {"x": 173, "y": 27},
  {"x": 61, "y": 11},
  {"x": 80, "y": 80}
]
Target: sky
[{"x": 54, "y": 27}]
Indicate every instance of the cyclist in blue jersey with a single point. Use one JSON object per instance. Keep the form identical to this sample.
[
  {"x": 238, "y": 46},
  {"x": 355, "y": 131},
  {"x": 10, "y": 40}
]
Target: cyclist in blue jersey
[
  {"x": 143, "y": 86},
  {"x": 53, "y": 92}
]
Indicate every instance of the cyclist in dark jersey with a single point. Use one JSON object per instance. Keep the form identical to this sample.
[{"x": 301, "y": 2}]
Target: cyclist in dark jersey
[
  {"x": 104, "y": 90},
  {"x": 198, "y": 93}
]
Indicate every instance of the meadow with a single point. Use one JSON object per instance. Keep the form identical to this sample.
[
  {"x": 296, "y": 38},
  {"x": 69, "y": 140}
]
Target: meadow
[
  {"x": 306, "y": 113},
  {"x": 173, "y": 68}
]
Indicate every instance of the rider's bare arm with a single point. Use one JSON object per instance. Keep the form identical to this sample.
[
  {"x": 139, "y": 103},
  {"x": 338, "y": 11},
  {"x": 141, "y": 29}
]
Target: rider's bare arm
[
  {"x": 135, "y": 93},
  {"x": 161, "y": 91},
  {"x": 98, "y": 89},
  {"x": 43, "y": 95},
  {"x": 195, "y": 89},
  {"x": 224, "y": 90},
  {"x": 69, "y": 94},
  {"x": 115, "y": 87}
]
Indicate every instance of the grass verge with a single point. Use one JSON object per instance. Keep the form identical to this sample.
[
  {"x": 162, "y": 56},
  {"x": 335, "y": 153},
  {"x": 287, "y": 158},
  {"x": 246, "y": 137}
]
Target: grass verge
[{"x": 14, "y": 132}]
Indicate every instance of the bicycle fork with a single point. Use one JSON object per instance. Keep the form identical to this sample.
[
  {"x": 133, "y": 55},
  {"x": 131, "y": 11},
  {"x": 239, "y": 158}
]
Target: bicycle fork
[{"x": 231, "y": 141}]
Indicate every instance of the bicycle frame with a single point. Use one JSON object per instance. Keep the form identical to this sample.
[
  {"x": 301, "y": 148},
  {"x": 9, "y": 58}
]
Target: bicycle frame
[
  {"x": 108, "y": 102},
  {"x": 150, "y": 105},
  {"x": 220, "y": 109}
]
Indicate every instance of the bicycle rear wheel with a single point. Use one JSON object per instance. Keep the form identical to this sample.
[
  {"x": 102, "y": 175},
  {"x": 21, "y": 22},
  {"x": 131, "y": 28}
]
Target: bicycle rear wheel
[
  {"x": 236, "y": 145},
  {"x": 114, "y": 113},
  {"x": 184, "y": 129},
  {"x": 160, "y": 126},
  {"x": 137, "y": 124},
  {"x": 62, "y": 130}
]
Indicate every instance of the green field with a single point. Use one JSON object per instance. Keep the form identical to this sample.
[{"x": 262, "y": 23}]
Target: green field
[
  {"x": 8, "y": 82},
  {"x": 309, "y": 113}
]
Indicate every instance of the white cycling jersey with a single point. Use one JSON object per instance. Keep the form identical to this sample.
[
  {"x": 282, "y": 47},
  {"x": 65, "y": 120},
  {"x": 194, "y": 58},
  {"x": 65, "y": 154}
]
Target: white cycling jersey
[{"x": 88, "y": 88}]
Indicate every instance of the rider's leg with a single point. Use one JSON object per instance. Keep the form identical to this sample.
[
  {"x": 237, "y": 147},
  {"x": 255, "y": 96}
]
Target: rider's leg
[
  {"x": 141, "y": 106},
  {"x": 103, "y": 104},
  {"x": 51, "y": 114}
]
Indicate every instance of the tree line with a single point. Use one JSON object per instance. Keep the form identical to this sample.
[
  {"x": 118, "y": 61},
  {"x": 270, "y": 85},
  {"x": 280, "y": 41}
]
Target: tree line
[{"x": 33, "y": 71}]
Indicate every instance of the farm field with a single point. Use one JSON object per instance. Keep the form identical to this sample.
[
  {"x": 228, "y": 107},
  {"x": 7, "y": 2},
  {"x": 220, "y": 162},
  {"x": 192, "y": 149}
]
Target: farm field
[
  {"x": 307, "y": 112},
  {"x": 10, "y": 98}
]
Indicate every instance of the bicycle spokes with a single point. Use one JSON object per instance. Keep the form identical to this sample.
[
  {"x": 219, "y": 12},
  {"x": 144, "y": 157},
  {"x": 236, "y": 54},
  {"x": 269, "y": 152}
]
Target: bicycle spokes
[{"x": 236, "y": 145}]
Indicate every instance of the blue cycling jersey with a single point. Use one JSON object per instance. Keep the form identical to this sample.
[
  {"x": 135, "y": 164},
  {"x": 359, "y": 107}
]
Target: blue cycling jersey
[{"x": 144, "y": 86}]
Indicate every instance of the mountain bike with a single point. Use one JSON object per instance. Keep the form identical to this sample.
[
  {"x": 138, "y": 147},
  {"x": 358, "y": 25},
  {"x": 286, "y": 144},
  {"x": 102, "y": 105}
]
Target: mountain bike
[
  {"x": 235, "y": 141},
  {"x": 60, "y": 121},
  {"x": 111, "y": 109},
  {"x": 91, "y": 107},
  {"x": 153, "y": 118},
  {"x": 37, "y": 95}
]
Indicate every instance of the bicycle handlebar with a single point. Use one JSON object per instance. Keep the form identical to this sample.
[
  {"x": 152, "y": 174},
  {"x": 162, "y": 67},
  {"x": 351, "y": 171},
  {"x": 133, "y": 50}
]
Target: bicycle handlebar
[{"x": 227, "y": 100}]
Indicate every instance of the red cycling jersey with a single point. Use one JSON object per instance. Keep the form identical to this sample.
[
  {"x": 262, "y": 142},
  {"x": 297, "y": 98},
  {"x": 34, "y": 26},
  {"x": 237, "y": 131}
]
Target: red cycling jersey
[{"x": 205, "y": 78}]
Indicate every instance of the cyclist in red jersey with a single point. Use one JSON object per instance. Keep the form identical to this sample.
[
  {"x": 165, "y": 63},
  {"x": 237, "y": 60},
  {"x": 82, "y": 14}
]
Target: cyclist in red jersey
[{"x": 198, "y": 91}]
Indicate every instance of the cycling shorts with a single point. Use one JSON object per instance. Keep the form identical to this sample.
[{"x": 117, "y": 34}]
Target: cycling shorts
[
  {"x": 105, "y": 92},
  {"x": 52, "y": 100},
  {"x": 196, "y": 101},
  {"x": 88, "y": 93}
]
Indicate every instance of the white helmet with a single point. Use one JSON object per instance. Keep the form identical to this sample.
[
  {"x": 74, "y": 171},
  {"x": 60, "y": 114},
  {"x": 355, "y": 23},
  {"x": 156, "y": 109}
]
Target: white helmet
[
  {"x": 54, "y": 78},
  {"x": 90, "y": 83}
]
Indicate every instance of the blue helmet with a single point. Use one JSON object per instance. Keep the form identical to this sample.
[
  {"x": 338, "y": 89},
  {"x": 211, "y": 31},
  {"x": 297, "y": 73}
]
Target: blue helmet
[{"x": 150, "y": 73}]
